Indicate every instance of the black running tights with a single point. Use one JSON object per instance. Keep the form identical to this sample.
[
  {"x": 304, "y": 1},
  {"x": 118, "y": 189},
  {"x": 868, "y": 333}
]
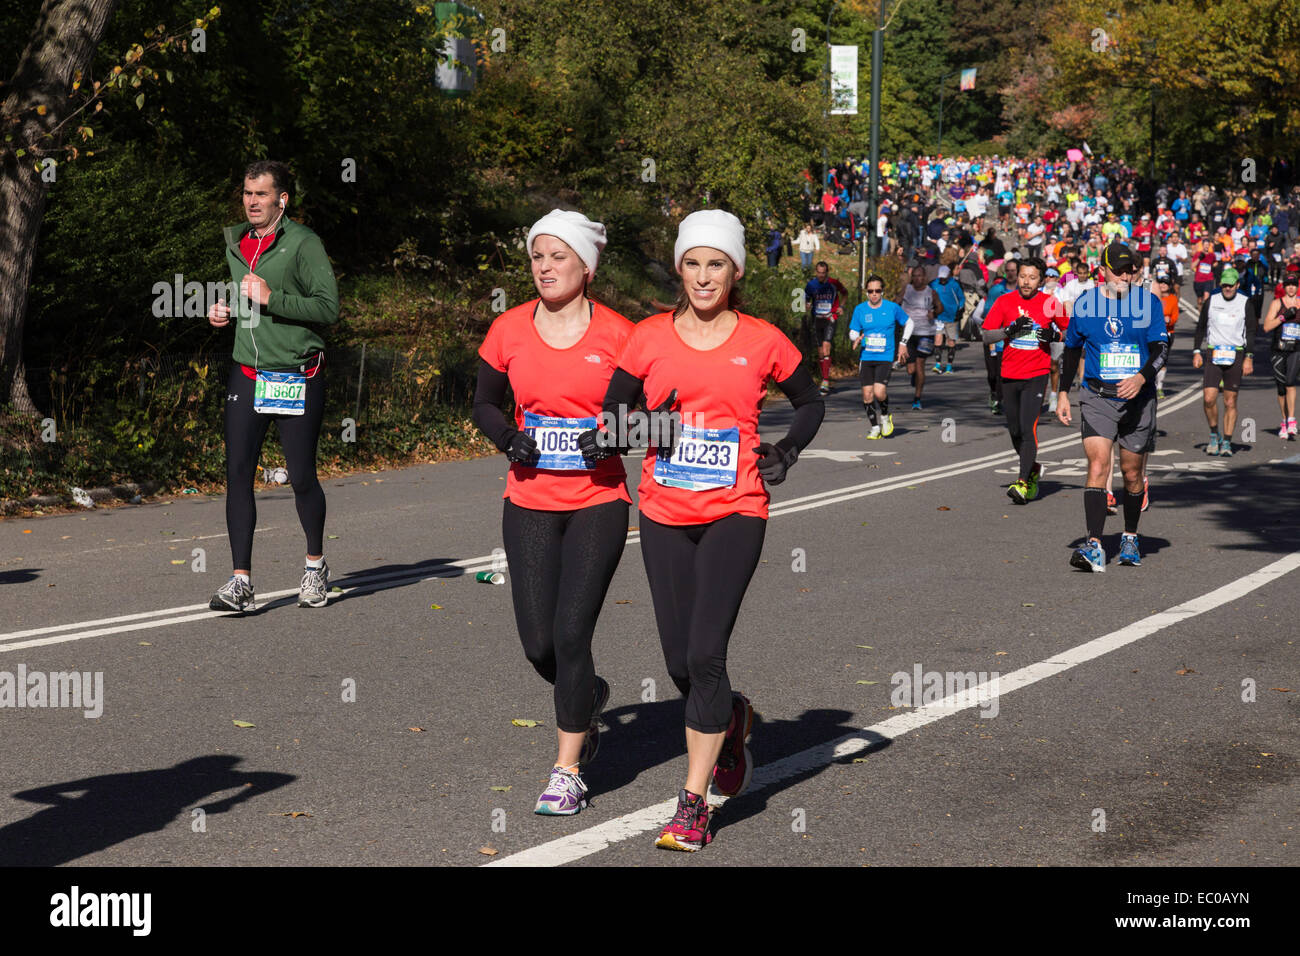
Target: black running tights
[
  {"x": 1022, "y": 400},
  {"x": 245, "y": 432},
  {"x": 698, "y": 575},
  {"x": 561, "y": 563}
]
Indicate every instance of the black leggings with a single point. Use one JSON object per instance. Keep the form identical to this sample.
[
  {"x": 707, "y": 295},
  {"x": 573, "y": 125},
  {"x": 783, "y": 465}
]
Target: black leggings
[
  {"x": 245, "y": 432},
  {"x": 561, "y": 563},
  {"x": 993, "y": 366},
  {"x": 1022, "y": 400},
  {"x": 698, "y": 575}
]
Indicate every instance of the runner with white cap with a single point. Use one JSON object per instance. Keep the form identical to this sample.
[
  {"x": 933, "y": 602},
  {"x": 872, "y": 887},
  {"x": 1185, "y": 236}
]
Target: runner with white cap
[
  {"x": 704, "y": 501},
  {"x": 565, "y": 516}
]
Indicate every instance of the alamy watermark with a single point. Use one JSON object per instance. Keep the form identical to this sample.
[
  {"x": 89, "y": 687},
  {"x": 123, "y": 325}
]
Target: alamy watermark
[
  {"x": 955, "y": 689},
  {"x": 78, "y": 690},
  {"x": 179, "y": 299}
]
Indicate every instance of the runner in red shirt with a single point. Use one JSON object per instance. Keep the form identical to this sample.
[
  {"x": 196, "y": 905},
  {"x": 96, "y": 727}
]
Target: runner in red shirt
[
  {"x": 1203, "y": 271},
  {"x": 704, "y": 504},
  {"x": 1142, "y": 233},
  {"x": 1028, "y": 321},
  {"x": 565, "y": 516}
]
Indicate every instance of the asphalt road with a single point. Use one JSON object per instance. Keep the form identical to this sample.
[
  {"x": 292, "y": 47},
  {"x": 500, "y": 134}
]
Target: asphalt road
[{"x": 1120, "y": 734}]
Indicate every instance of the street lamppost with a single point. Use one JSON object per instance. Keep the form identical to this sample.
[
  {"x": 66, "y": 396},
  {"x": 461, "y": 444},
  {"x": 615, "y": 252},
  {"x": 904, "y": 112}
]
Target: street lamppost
[{"x": 873, "y": 181}]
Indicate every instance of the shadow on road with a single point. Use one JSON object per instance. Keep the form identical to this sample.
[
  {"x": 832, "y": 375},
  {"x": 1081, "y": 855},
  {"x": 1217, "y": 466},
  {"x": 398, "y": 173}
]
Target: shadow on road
[
  {"x": 642, "y": 736},
  {"x": 773, "y": 741},
  {"x": 20, "y": 575},
  {"x": 114, "y": 808}
]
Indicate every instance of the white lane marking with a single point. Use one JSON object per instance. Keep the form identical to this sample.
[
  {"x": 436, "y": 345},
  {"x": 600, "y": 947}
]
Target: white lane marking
[
  {"x": 466, "y": 565},
  {"x": 842, "y": 456},
  {"x": 178, "y": 615},
  {"x": 586, "y": 842}
]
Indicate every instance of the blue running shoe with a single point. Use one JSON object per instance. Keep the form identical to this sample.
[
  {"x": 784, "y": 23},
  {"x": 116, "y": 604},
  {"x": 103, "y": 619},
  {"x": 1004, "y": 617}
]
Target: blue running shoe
[
  {"x": 1212, "y": 446},
  {"x": 1090, "y": 557},
  {"x": 1128, "y": 551},
  {"x": 916, "y": 405}
]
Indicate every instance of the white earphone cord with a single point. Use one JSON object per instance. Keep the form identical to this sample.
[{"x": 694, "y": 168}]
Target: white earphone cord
[{"x": 253, "y": 265}]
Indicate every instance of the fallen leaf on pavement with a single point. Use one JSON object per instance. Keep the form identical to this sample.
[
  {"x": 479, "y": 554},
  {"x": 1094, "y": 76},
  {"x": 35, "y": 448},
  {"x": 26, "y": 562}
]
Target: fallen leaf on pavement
[
  {"x": 243, "y": 723},
  {"x": 488, "y": 851},
  {"x": 525, "y": 723}
]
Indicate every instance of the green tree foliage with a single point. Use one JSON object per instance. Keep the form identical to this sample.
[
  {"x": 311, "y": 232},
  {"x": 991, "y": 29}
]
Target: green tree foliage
[{"x": 1225, "y": 76}]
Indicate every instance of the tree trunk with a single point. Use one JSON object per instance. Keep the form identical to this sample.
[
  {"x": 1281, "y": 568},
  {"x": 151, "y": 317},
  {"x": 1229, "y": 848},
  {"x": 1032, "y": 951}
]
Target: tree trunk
[{"x": 62, "y": 42}]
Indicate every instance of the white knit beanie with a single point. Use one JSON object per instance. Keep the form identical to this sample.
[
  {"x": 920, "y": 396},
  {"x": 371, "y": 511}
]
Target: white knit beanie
[
  {"x": 714, "y": 229},
  {"x": 584, "y": 237}
]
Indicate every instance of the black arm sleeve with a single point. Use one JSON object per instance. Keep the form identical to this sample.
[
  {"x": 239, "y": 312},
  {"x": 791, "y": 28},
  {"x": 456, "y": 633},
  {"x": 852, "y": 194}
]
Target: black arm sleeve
[
  {"x": 625, "y": 390},
  {"x": 1201, "y": 325},
  {"x": 1070, "y": 366},
  {"x": 489, "y": 393},
  {"x": 1252, "y": 326},
  {"x": 809, "y": 408},
  {"x": 1157, "y": 352}
]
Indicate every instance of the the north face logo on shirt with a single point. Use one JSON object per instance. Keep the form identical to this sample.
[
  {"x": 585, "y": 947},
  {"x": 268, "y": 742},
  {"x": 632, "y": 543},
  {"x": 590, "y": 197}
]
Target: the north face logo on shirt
[
  {"x": 593, "y": 357},
  {"x": 740, "y": 360}
]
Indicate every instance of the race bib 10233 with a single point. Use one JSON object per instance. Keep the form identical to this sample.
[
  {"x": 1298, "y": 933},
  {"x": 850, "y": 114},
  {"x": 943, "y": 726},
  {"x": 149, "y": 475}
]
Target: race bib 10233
[{"x": 705, "y": 458}]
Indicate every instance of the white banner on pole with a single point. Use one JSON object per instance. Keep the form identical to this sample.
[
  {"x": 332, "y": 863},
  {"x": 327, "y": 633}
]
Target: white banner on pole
[{"x": 844, "y": 80}]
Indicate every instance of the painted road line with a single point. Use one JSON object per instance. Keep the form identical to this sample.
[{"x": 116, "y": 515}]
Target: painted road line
[
  {"x": 465, "y": 566},
  {"x": 586, "y": 842}
]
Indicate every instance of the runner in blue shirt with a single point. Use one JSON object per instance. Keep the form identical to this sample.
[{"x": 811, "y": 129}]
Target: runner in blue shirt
[
  {"x": 876, "y": 328},
  {"x": 1119, "y": 331},
  {"x": 953, "y": 300}
]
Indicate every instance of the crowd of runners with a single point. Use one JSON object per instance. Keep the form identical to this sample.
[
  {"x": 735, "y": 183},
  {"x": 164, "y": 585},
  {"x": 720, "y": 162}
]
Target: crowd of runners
[
  {"x": 1048, "y": 263},
  {"x": 1056, "y": 270}
]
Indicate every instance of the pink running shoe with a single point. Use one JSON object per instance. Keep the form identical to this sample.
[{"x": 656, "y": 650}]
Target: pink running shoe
[
  {"x": 735, "y": 765},
  {"x": 689, "y": 829}
]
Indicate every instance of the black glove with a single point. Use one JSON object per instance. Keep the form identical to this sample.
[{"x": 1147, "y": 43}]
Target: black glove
[
  {"x": 775, "y": 460},
  {"x": 521, "y": 448},
  {"x": 592, "y": 448},
  {"x": 665, "y": 450},
  {"x": 1047, "y": 334},
  {"x": 1019, "y": 327}
]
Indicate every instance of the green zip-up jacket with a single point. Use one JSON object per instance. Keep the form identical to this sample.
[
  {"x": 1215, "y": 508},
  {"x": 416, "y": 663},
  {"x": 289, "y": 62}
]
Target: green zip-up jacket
[{"x": 304, "y": 298}]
